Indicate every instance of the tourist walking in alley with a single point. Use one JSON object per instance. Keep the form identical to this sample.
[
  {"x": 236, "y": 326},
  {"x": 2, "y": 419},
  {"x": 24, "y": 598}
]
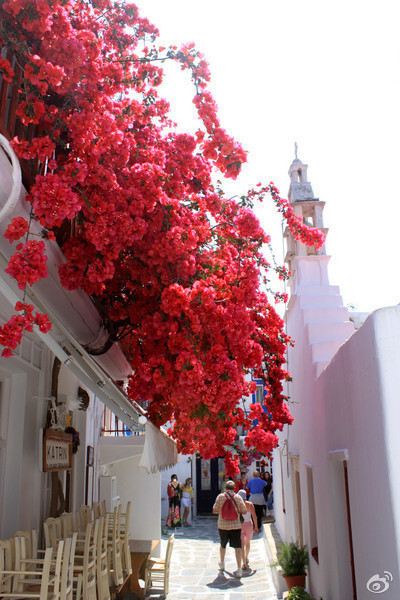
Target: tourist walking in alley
[
  {"x": 250, "y": 518},
  {"x": 255, "y": 487},
  {"x": 187, "y": 500},
  {"x": 268, "y": 492},
  {"x": 229, "y": 506},
  {"x": 174, "y": 491},
  {"x": 241, "y": 484},
  {"x": 193, "y": 574}
]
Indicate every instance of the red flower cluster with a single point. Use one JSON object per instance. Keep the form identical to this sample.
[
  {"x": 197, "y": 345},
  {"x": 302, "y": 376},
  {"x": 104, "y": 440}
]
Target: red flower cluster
[
  {"x": 173, "y": 266},
  {"x": 6, "y": 70},
  {"x": 28, "y": 265},
  {"x": 11, "y": 332},
  {"x": 17, "y": 229}
]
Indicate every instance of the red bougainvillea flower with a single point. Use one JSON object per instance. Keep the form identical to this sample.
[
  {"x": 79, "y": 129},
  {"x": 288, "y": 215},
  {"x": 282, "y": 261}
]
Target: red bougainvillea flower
[
  {"x": 28, "y": 265},
  {"x": 17, "y": 229},
  {"x": 175, "y": 269}
]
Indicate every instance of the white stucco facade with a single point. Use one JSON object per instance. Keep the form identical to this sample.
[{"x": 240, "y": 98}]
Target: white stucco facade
[
  {"x": 336, "y": 476},
  {"x": 26, "y": 388}
]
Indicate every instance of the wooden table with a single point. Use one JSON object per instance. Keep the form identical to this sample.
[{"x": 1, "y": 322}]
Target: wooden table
[{"x": 140, "y": 551}]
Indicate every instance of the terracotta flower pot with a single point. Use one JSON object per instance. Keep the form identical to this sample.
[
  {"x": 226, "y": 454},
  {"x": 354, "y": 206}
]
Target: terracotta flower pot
[{"x": 293, "y": 580}]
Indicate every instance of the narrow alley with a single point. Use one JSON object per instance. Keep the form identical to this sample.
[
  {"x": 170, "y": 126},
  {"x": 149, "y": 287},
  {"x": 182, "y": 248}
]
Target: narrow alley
[{"x": 194, "y": 567}]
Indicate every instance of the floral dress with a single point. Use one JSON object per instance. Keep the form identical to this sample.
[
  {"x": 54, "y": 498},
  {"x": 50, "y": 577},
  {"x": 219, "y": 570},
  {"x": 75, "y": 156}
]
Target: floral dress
[{"x": 174, "y": 513}]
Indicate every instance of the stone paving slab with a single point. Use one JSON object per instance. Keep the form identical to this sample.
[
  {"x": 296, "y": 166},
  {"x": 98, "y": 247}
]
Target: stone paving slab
[{"x": 194, "y": 567}]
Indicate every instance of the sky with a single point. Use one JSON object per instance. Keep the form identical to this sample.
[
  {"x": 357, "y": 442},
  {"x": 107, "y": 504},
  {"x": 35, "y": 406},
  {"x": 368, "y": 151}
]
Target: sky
[{"x": 324, "y": 75}]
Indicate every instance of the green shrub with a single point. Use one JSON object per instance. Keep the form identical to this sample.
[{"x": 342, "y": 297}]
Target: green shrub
[
  {"x": 292, "y": 558},
  {"x": 298, "y": 593}
]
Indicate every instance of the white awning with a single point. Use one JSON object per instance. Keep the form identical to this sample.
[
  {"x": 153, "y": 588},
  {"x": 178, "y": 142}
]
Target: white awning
[{"x": 159, "y": 452}]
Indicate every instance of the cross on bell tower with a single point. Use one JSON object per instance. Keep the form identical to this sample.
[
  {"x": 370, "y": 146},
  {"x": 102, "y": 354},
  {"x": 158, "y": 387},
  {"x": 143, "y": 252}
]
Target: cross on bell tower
[{"x": 308, "y": 208}]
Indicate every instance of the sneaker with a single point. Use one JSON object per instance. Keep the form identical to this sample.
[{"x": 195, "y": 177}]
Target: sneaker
[
  {"x": 238, "y": 573},
  {"x": 221, "y": 566}
]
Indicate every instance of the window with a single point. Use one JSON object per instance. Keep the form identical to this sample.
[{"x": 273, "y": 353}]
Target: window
[{"x": 260, "y": 393}]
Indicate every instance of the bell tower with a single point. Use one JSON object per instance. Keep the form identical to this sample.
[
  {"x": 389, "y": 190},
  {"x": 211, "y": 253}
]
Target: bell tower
[
  {"x": 310, "y": 210},
  {"x": 315, "y": 315}
]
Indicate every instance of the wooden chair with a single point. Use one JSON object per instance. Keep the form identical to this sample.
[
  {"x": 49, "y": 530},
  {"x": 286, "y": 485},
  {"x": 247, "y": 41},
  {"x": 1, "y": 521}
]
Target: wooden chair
[
  {"x": 84, "y": 569},
  {"x": 85, "y": 513},
  {"x": 67, "y": 572},
  {"x": 157, "y": 569},
  {"x": 31, "y": 542},
  {"x": 52, "y": 532},
  {"x": 97, "y": 510},
  {"x": 7, "y": 564},
  {"x": 114, "y": 554},
  {"x": 39, "y": 584},
  {"x": 68, "y": 525},
  {"x": 102, "y": 580},
  {"x": 124, "y": 532},
  {"x": 61, "y": 567}
]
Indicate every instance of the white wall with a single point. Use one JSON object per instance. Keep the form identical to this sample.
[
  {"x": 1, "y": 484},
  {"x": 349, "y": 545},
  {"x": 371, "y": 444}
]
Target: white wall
[
  {"x": 22, "y": 484},
  {"x": 143, "y": 490},
  {"x": 350, "y": 412}
]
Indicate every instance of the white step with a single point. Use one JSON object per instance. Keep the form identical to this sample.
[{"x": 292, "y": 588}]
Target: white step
[
  {"x": 326, "y": 332},
  {"x": 318, "y": 290},
  {"x": 336, "y": 314},
  {"x": 320, "y": 301}
]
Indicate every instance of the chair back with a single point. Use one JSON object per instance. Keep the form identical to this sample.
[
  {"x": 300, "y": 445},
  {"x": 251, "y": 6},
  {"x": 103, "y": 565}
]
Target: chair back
[
  {"x": 52, "y": 532},
  {"x": 85, "y": 513},
  {"x": 102, "y": 582},
  {"x": 168, "y": 554},
  {"x": 31, "y": 543},
  {"x": 67, "y": 570},
  {"x": 68, "y": 525},
  {"x": 125, "y": 525},
  {"x": 114, "y": 548},
  {"x": 6, "y": 564},
  {"x": 96, "y": 510},
  {"x": 85, "y": 565}
]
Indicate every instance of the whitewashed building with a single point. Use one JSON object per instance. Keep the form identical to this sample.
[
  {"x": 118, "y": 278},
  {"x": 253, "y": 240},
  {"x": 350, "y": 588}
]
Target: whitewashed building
[
  {"x": 54, "y": 370},
  {"x": 336, "y": 471}
]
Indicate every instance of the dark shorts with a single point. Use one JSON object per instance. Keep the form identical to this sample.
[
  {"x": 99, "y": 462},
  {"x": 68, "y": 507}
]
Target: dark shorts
[{"x": 232, "y": 536}]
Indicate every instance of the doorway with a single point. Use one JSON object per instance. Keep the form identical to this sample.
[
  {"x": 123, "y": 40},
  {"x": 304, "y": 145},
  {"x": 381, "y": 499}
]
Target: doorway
[{"x": 209, "y": 478}]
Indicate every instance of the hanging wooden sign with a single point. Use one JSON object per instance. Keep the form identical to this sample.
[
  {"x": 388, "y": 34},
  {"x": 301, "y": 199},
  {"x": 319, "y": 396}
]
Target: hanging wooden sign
[{"x": 57, "y": 450}]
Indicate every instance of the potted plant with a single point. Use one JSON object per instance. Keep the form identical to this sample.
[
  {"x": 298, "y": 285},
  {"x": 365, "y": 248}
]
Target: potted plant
[
  {"x": 293, "y": 560},
  {"x": 298, "y": 593}
]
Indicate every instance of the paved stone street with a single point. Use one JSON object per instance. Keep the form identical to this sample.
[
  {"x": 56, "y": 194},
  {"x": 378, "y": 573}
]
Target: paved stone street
[{"x": 194, "y": 567}]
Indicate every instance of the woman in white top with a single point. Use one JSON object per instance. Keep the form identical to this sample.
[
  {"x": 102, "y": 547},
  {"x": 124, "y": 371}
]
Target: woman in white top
[{"x": 250, "y": 518}]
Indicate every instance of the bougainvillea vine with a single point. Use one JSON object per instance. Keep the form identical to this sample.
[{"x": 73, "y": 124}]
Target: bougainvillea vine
[{"x": 174, "y": 267}]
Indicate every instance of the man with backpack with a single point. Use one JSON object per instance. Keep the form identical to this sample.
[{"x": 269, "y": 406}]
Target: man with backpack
[{"x": 229, "y": 506}]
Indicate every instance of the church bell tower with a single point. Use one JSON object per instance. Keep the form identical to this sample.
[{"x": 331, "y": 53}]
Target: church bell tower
[{"x": 310, "y": 210}]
